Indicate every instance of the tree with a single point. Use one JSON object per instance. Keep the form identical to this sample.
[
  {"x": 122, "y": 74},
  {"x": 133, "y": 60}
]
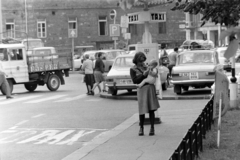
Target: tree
[{"x": 224, "y": 12}]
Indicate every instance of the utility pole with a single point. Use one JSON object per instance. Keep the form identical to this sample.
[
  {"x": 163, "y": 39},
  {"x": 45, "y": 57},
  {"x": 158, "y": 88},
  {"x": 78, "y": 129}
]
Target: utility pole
[
  {"x": 26, "y": 16},
  {"x": 1, "y": 21}
]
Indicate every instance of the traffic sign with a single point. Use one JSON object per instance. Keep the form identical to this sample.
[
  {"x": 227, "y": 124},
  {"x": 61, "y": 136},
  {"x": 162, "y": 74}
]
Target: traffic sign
[
  {"x": 72, "y": 33},
  {"x": 114, "y": 30},
  {"x": 127, "y": 36},
  {"x": 113, "y": 14},
  {"x": 124, "y": 21}
]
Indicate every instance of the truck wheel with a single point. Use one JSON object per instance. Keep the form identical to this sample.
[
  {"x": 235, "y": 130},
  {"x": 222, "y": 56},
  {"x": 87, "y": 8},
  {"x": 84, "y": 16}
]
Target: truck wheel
[
  {"x": 30, "y": 86},
  {"x": 10, "y": 83},
  {"x": 53, "y": 82}
]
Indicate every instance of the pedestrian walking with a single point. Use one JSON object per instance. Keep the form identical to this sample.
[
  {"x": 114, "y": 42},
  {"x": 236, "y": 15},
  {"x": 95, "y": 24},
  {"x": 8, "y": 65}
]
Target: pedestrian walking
[
  {"x": 172, "y": 60},
  {"x": 82, "y": 60},
  {"x": 88, "y": 66},
  {"x": 146, "y": 95},
  {"x": 3, "y": 81},
  {"x": 98, "y": 72}
]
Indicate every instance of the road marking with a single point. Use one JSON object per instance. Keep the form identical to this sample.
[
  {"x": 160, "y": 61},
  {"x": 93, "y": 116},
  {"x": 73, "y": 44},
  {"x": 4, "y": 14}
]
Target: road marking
[
  {"x": 22, "y": 122},
  {"x": 19, "y": 99},
  {"x": 63, "y": 129},
  {"x": 93, "y": 100},
  {"x": 46, "y": 99},
  {"x": 39, "y": 115},
  {"x": 72, "y": 98},
  {"x": 101, "y": 138},
  {"x": 14, "y": 127}
]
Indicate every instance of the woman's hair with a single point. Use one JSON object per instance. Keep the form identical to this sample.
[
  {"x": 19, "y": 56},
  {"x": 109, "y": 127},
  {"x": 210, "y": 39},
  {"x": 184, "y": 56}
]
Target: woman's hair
[
  {"x": 99, "y": 54},
  {"x": 91, "y": 57},
  {"x": 138, "y": 56},
  {"x": 86, "y": 56}
]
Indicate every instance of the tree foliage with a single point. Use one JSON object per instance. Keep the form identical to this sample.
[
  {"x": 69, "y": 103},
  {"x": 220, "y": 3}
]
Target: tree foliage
[{"x": 224, "y": 12}]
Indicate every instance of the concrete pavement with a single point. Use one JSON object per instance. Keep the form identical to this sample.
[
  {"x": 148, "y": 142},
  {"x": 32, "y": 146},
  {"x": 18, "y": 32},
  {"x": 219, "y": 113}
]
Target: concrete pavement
[{"x": 123, "y": 142}]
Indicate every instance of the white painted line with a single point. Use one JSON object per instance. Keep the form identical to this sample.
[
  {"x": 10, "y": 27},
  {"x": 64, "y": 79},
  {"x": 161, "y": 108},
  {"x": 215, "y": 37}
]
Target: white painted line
[
  {"x": 19, "y": 99},
  {"x": 93, "y": 100},
  {"x": 46, "y": 99},
  {"x": 39, "y": 115},
  {"x": 101, "y": 138},
  {"x": 72, "y": 98},
  {"x": 22, "y": 122},
  {"x": 9, "y": 131},
  {"x": 62, "y": 129},
  {"x": 2, "y": 98},
  {"x": 14, "y": 127}
]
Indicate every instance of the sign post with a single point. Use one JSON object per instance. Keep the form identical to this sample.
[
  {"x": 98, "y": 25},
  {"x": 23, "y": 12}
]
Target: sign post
[
  {"x": 114, "y": 29},
  {"x": 72, "y": 34}
]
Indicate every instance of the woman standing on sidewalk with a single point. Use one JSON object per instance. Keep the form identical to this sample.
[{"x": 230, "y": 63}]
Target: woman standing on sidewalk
[{"x": 146, "y": 95}]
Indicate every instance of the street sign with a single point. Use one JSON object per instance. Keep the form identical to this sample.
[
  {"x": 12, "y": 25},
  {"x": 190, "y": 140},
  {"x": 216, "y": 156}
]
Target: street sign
[
  {"x": 182, "y": 26},
  {"x": 114, "y": 30},
  {"x": 112, "y": 14},
  {"x": 72, "y": 33},
  {"x": 114, "y": 38},
  {"x": 124, "y": 30},
  {"x": 124, "y": 21},
  {"x": 127, "y": 36}
]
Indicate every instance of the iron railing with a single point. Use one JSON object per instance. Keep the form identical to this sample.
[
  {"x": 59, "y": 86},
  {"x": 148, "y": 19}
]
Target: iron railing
[{"x": 192, "y": 143}]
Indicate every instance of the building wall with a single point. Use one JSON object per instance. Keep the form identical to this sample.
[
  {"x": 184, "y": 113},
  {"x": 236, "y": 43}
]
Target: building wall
[{"x": 57, "y": 12}]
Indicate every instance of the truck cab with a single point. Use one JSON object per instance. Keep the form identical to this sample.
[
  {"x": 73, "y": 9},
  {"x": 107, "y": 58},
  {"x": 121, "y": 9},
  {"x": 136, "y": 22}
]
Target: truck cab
[{"x": 15, "y": 62}]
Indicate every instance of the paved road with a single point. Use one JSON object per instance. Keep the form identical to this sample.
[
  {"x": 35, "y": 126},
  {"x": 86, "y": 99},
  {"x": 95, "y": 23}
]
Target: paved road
[{"x": 52, "y": 125}]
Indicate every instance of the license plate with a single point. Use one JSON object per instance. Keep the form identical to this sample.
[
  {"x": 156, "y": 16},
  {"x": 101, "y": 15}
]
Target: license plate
[
  {"x": 194, "y": 75},
  {"x": 185, "y": 74},
  {"x": 125, "y": 81}
]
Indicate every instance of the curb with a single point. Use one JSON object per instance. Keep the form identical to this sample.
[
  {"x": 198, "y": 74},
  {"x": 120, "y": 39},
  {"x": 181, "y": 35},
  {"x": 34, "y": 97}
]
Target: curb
[{"x": 164, "y": 97}]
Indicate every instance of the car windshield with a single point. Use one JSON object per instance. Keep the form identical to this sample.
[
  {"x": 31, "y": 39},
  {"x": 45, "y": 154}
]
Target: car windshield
[
  {"x": 196, "y": 57},
  {"x": 123, "y": 62},
  {"x": 112, "y": 54}
]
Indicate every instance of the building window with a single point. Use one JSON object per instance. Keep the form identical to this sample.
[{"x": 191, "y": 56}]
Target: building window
[
  {"x": 72, "y": 26},
  {"x": 133, "y": 29},
  {"x": 10, "y": 27},
  {"x": 41, "y": 28},
  {"x": 102, "y": 25},
  {"x": 162, "y": 27}
]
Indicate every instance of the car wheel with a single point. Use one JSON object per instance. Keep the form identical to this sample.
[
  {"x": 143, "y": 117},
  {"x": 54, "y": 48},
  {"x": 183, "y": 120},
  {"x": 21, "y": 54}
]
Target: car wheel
[
  {"x": 114, "y": 92},
  {"x": 129, "y": 90},
  {"x": 53, "y": 82},
  {"x": 30, "y": 86},
  {"x": 185, "y": 88},
  {"x": 177, "y": 89}
]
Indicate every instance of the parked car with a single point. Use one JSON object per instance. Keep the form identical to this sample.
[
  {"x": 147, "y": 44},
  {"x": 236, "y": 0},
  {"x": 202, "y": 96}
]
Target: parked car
[
  {"x": 119, "y": 76},
  {"x": 79, "y": 60},
  {"x": 194, "y": 68},
  {"x": 109, "y": 56}
]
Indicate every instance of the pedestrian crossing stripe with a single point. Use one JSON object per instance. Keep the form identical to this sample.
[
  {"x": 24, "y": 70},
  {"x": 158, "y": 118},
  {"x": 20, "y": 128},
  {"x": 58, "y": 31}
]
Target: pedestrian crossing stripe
[
  {"x": 72, "y": 98},
  {"x": 46, "y": 99},
  {"x": 19, "y": 99},
  {"x": 55, "y": 99}
]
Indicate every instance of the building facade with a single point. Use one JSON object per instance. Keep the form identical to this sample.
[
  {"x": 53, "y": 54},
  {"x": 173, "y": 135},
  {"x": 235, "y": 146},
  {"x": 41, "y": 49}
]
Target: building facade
[{"x": 86, "y": 22}]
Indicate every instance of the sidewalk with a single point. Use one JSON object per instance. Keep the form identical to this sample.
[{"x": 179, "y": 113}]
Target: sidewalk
[{"x": 123, "y": 142}]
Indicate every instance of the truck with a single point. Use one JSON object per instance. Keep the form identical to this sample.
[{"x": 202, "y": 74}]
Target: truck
[{"x": 43, "y": 66}]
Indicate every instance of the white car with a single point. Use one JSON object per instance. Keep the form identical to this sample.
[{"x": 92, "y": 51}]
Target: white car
[{"x": 78, "y": 60}]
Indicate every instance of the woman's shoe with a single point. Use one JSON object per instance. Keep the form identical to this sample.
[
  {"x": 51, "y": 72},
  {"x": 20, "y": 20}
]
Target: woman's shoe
[
  {"x": 141, "y": 133},
  {"x": 151, "y": 133},
  {"x": 92, "y": 93},
  {"x": 9, "y": 97},
  {"x": 104, "y": 90}
]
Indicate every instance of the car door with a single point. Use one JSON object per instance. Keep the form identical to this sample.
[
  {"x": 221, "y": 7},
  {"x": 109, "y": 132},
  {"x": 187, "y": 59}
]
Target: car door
[{"x": 18, "y": 65}]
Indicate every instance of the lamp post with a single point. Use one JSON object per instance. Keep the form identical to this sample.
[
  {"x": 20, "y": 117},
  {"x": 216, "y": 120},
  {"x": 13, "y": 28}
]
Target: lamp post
[
  {"x": 1, "y": 20},
  {"x": 26, "y": 15}
]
